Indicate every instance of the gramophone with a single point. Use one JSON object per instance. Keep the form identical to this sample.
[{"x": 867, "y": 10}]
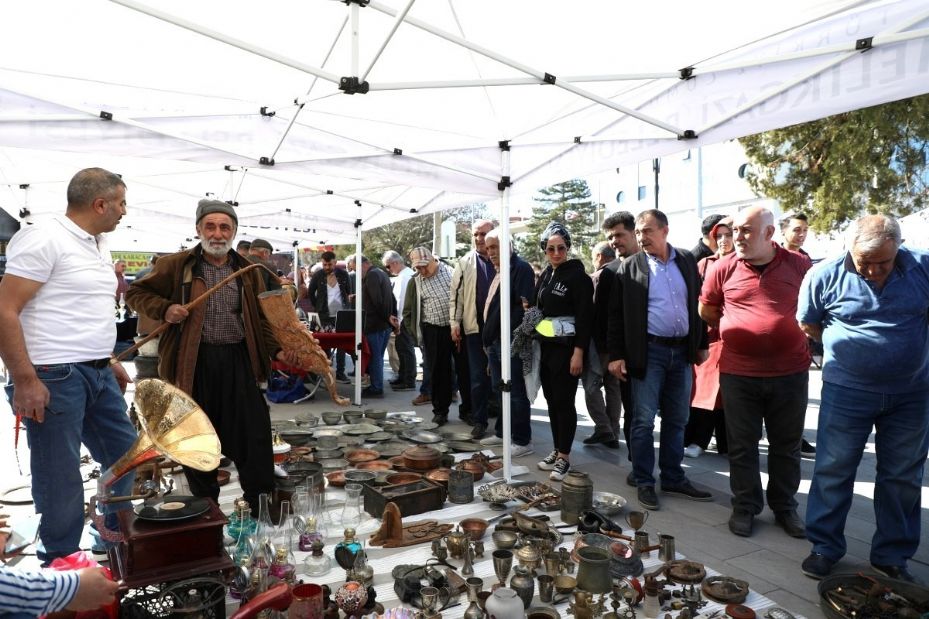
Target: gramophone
[{"x": 167, "y": 536}]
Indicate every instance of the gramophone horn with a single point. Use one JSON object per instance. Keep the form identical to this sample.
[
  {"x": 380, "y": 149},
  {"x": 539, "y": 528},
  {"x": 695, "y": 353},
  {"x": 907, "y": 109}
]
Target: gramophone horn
[{"x": 172, "y": 426}]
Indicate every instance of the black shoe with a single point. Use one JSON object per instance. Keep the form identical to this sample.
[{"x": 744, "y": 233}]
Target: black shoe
[
  {"x": 599, "y": 437},
  {"x": 686, "y": 489},
  {"x": 791, "y": 523},
  {"x": 439, "y": 420},
  {"x": 224, "y": 462},
  {"x": 807, "y": 450},
  {"x": 478, "y": 431},
  {"x": 817, "y": 566},
  {"x": 740, "y": 523},
  {"x": 368, "y": 392},
  {"x": 614, "y": 444},
  {"x": 630, "y": 479},
  {"x": 402, "y": 386},
  {"x": 395, "y": 381},
  {"x": 647, "y": 497},
  {"x": 897, "y": 572}
]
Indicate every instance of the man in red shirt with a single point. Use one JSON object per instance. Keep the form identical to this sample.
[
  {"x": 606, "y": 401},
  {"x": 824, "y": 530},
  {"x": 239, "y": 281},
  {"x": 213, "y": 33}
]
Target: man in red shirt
[{"x": 751, "y": 294}]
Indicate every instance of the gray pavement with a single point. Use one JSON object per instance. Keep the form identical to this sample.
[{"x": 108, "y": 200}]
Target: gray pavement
[{"x": 769, "y": 560}]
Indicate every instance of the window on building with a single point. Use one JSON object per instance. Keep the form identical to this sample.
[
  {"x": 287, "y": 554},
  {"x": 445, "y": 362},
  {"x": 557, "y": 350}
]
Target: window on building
[
  {"x": 620, "y": 197},
  {"x": 643, "y": 192}
]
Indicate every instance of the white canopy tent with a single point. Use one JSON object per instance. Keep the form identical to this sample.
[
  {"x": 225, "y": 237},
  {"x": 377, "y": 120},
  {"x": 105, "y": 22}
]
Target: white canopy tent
[{"x": 455, "y": 101}]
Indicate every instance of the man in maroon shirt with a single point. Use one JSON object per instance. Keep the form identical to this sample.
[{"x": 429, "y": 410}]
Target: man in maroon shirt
[{"x": 751, "y": 295}]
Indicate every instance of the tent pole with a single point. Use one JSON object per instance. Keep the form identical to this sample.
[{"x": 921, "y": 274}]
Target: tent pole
[
  {"x": 358, "y": 302},
  {"x": 223, "y": 38},
  {"x": 393, "y": 28},
  {"x": 356, "y": 18},
  {"x": 522, "y": 81},
  {"x": 506, "y": 402}
]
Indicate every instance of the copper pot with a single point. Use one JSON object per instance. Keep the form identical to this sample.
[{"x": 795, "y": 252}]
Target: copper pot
[
  {"x": 421, "y": 458},
  {"x": 472, "y": 466}
]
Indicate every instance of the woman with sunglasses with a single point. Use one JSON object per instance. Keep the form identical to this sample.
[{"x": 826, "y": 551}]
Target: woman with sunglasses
[{"x": 564, "y": 294}]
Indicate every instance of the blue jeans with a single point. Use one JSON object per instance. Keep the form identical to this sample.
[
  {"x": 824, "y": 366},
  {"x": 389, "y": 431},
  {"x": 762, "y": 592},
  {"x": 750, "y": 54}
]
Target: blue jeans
[
  {"x": 520, "y": 428},
  {"x": 480, "y": 381},
  {"x": 377, "y": 342},
  {"x": 85, "y": 406},
  {"x": 666, "y": 386},
  {"x": 846, "y": 417}
]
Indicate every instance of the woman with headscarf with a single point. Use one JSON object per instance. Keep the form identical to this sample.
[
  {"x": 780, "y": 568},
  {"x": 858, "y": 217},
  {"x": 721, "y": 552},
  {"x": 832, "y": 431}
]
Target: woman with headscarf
[
  {"x": 706, "y": 404},
  {"x": 564, "y": 294}
]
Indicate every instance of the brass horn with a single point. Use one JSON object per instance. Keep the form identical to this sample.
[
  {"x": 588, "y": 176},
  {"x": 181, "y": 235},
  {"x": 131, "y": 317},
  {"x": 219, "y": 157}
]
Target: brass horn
[{"x": 172, "y": 426}]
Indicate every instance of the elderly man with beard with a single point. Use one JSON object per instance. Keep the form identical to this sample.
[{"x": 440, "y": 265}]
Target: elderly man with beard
[{"x": 219, "y": 351}]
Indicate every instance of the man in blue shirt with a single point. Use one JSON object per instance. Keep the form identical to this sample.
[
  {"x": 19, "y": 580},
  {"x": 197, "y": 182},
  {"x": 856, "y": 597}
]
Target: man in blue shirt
[{"x": 870, "y": 310}]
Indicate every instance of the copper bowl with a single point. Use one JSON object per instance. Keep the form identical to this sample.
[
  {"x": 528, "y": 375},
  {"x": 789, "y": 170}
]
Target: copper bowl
[
  {"x": 474, "y": 527},
  {"x": 421, "y": 458},
  {"x": 472, "y": 466},
  {"x": 439, "y": 476},
  {"x": 403, "y": 478},
  {"x": 398, "y": 462},
  {"x": 361, "y": 455},
  {"x": 374, "y": 465},
  {"x": 336, "y": 478}
]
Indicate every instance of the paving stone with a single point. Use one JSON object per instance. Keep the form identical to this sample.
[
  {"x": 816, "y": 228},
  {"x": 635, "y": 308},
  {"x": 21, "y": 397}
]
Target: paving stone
[{"x": 781, "y": 570}]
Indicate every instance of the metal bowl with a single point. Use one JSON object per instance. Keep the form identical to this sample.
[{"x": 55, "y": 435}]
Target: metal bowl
[
  {"x": 565, "y": 583},
  {"x": 403, "y": 478},
  {"x": 375, "y": 465},
  {"x": 504, "y": 540},
  {"x": 474, "y": 527},
  {"x": 359, "y": 477},
  {"x": 331, "y": 418},
  {"x": 356, "y": 456},
  {"x": 422, "y": 436},
  {"x": 376, "y": 413},
  {"x": 608, "y": 503}
]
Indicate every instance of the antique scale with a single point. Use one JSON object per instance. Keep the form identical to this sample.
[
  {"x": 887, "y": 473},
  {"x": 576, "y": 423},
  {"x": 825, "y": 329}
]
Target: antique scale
[{"x": 169, "y": 558}]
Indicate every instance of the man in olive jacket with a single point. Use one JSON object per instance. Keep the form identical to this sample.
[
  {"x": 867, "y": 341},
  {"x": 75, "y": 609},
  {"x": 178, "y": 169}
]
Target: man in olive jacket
[{"x": 219, "y": 351}]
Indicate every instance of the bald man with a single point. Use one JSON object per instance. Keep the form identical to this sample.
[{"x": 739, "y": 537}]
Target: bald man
[{"x": 751, "y": 296}]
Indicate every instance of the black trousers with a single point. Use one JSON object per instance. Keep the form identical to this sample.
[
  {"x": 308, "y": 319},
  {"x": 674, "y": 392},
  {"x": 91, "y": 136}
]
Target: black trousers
[
  {"x": 700, "y": 427},
  {"x": 225, "y": 389},
  {"x": 438, "y": 348},
  {"x": 560, "y": 389},
  {"x": 407, "y": 358},
  {"x": 778, "y": 403}
]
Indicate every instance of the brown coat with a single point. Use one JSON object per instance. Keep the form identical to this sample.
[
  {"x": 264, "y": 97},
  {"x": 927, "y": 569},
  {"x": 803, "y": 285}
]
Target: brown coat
[{"x": 176, "y": 280}]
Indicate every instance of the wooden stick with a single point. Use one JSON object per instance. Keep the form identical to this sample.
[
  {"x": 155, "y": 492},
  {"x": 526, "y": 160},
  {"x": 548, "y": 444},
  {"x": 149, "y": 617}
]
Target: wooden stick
[{"x": 198, "y": 301}]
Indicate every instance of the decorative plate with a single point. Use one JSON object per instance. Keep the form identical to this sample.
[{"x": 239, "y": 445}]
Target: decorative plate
[
  {"x": 358, "y": 429},
  {"x": 422, "y": 436},
  {"x": 326, "y": 432},
  {"x": 377, "y": 437},
  {"x": 451, "y": 435},
  {"x": 465, "y": 445}
]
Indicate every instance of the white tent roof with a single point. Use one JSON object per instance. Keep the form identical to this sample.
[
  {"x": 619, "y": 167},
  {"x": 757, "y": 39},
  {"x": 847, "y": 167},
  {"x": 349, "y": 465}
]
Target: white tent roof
[{"x": 172, "y": 98}]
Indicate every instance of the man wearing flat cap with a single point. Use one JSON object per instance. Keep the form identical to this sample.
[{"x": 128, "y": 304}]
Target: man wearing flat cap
[
  {"x": 219, "y": 351},
  {"x": 260, "y": 252}
]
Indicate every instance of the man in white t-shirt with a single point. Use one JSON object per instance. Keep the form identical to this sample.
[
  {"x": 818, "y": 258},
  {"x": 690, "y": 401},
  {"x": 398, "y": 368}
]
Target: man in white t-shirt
[
  {"x": 56, "y": 334},
  {"x": 399, "y": 340}
]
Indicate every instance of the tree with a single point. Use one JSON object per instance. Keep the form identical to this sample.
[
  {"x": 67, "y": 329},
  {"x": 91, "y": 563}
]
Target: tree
[
  {"x": 409, "y": 233},
  {"x": 872, "y": 160},
  {"x": 569, "y": 204}
]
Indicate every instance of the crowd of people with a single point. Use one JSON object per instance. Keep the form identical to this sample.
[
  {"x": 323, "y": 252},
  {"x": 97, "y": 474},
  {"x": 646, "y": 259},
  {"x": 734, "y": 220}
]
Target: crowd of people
[{"x": 713, "y": 340}]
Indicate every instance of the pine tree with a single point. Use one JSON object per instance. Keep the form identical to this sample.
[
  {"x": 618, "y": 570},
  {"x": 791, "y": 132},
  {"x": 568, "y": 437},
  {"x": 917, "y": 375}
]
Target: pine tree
[{"x": 569, "y": 204}]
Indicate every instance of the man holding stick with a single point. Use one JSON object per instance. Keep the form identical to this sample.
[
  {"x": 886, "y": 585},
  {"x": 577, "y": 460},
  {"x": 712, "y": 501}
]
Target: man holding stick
[{"x": 218, "y": 351}]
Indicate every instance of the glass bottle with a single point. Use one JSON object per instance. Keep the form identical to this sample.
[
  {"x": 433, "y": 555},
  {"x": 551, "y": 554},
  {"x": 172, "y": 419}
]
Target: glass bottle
[
  {"x": 317, "y": 563},
  {"x": 351, "y": 511},
  {"x": 263, "y": 550},
  {"x": 241, "y": 518},
  {"x": 282, "y": 568}
]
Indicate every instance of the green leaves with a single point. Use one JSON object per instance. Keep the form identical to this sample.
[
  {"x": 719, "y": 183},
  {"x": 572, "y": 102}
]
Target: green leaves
[{"x": 872, "y": 160}]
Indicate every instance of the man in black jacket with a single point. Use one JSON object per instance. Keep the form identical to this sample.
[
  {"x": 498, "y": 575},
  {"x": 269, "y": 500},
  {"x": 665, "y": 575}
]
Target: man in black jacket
[
  {"x": 654, "y": 335},
  {"x": 328, "y": 290}
]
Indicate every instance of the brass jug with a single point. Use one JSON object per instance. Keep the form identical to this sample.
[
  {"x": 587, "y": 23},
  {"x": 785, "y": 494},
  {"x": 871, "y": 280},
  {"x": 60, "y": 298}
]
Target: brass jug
[{"x": 593, "y": 573}]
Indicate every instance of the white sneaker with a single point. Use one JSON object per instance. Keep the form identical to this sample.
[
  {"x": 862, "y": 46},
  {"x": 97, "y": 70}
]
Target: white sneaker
[
  {"x": 521, "y": 450},
  {"x": 693, "y": 451},
  {"x": 560, "y": 469},
  {"x": 548, "y": 463},
  {"x": 490, "y": 441}
]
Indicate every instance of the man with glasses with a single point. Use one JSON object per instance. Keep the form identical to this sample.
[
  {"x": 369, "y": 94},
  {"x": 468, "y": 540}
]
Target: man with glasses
[{"x": 654, "y": 335}]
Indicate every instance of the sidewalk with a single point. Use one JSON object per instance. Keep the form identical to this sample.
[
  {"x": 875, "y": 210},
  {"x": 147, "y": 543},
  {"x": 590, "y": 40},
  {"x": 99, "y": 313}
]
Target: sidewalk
[{"x": 769, "y": 560}]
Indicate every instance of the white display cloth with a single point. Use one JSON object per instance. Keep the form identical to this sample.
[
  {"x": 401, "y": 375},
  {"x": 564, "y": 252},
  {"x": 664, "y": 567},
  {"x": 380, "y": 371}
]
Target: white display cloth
[{"x": 383, "y": 560}]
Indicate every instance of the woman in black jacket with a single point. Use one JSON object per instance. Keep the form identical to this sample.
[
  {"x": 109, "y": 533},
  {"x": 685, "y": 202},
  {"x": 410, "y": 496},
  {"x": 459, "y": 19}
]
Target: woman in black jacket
[{"x": 564, "y": 291}]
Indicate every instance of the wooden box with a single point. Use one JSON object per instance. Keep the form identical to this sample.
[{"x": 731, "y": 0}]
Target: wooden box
[{"x": 413, "y": 498}]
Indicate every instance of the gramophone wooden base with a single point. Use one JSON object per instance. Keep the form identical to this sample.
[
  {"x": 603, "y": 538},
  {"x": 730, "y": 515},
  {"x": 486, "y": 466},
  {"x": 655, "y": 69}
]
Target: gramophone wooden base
[{"x": 156, "y": 552}]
